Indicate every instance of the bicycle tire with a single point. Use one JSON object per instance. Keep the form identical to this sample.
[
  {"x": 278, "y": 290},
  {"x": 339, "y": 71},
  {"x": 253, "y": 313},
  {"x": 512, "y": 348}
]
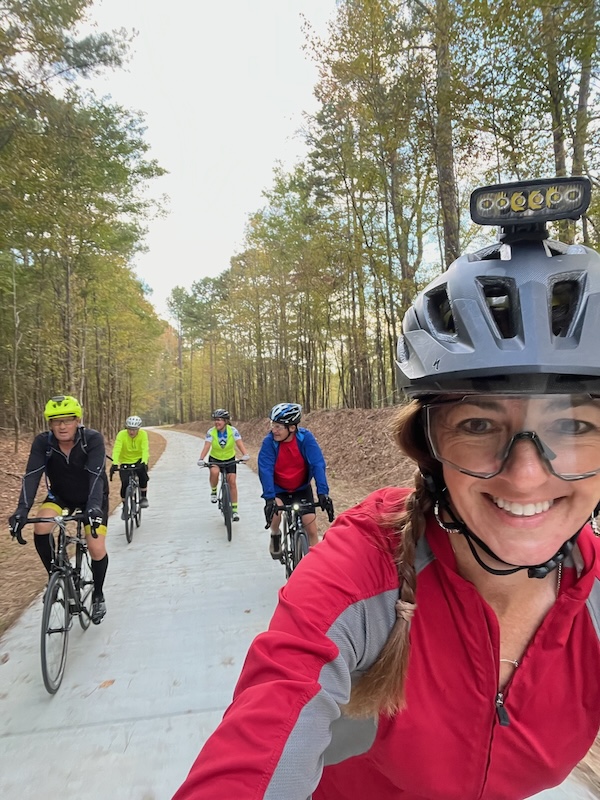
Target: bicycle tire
[
  {"x": 55, "y": 632},
  {"x": 128, "y": 506},
  {"x": 286, "y": 549},
  {"x": 85, "y": 583},
  {"x": 226, "y": 509},
  {"x": 300, "y": 546},
  {"x": 137, "y": 516}
]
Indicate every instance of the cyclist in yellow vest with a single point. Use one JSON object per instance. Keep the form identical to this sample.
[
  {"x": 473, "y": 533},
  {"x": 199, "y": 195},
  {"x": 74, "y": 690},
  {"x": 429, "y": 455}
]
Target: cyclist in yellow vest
[
  {"x": 131, "y": 447},
  {"x": 219, "y": 445}
]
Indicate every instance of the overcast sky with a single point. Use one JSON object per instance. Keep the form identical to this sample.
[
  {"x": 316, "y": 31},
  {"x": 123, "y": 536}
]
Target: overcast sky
[{"x": 223, "y": 87}]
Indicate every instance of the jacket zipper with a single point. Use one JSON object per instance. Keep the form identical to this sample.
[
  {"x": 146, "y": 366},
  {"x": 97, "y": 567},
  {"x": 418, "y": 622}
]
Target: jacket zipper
[{"x": 501, "y": 710}]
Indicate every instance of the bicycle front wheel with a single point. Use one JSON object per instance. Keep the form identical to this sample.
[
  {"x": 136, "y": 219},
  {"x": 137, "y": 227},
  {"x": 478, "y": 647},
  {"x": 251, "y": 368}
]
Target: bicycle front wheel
[
  {"x": 287, "y": 555},
  {"x": 226, "y": 508},
  {"x": 137, "y": 512},
  {"x": 85, "y": 580},
  {"x": 55, "y": 632},
  {"x": 300, "y": 546},
  {"x": 129, "y": 510}
]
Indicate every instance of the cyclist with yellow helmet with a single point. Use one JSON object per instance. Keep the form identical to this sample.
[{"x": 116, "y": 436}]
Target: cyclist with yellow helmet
[{"x": 72, "y": 458}]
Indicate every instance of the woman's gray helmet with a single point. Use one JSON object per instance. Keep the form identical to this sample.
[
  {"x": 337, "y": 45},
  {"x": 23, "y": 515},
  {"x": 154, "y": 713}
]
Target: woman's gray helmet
[{"x": 522, "y": 315}]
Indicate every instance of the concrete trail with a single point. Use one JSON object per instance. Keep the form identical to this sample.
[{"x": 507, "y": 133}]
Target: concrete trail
[{"x": 143, "y": 690}]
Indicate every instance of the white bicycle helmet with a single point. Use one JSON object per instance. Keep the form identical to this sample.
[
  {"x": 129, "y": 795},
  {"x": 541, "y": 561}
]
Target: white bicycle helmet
[{"x": 133, "y": 422}]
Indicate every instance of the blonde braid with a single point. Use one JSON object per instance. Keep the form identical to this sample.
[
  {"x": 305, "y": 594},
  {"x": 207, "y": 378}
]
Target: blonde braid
[{"x": 381, "y": 690}]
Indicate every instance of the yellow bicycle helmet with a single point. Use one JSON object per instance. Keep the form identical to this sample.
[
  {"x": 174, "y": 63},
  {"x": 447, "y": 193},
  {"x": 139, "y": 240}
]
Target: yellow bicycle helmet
[{"x": 62, "y": 406}]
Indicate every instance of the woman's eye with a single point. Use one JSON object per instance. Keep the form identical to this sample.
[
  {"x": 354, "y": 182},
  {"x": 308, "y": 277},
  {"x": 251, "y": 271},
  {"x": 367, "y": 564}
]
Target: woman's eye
[
  {"x": 476, "y": 425},
  {"x": 572, "y": 427}
]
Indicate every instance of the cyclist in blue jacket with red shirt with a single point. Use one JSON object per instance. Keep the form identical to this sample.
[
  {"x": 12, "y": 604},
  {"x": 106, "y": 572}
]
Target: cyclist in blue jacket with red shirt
[{"x": 289, "y": 459}]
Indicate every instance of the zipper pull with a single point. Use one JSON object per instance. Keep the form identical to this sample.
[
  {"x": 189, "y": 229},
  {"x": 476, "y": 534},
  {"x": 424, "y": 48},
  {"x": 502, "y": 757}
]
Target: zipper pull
[{"x": 501, "y": 711}]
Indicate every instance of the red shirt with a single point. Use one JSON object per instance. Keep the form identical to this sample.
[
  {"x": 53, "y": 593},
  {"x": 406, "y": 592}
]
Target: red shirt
[{"x": 291, "y": 470}]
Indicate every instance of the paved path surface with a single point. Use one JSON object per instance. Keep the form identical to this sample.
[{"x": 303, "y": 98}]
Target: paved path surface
[{"x": 144, "y": 689}]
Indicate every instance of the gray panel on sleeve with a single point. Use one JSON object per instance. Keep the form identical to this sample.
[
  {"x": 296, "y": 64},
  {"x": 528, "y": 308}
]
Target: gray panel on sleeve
[{"x": 593, "y": 605}]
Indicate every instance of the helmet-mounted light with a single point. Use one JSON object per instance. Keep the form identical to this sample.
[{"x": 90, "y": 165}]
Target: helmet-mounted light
[{"x": 522, "y": 209}]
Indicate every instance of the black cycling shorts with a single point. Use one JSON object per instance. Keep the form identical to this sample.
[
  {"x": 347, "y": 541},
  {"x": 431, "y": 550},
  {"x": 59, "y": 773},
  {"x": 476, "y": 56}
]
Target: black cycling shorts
[
  {"x": 70, "y": 507},
  {"x": 229, "y": 464},
  {"x": 301, "y": 496}
]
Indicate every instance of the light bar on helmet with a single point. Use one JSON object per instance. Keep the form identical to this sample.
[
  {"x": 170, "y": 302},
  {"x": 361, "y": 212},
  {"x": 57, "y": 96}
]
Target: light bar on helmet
[{"x": 530, "y": 202}]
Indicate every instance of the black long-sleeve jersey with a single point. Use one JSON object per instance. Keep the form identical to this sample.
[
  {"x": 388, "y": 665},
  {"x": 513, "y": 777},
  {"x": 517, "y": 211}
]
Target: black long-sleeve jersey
[{"x": 79, "y": 478}]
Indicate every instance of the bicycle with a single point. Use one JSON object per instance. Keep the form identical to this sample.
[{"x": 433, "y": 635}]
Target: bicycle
[
  {"x": 68, "y": 594},
  {"x": 224, "y": 494},
  {"x": 294, "y": 539},
  {"x": 132, "y": 510}
]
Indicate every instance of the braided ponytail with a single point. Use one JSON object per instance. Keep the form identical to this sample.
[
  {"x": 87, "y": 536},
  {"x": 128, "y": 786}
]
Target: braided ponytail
[{"x": 381, "y": 690}]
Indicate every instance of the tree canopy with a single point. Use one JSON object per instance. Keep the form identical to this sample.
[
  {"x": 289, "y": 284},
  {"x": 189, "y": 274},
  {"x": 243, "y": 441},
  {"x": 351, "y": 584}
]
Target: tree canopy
[
  {"x": 419, "y": 102},
  {"x": 73, "y": 169}
]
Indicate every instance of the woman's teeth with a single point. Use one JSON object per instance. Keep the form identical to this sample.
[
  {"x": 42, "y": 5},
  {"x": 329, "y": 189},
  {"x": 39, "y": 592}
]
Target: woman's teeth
[{"x": 523, "y": 509}]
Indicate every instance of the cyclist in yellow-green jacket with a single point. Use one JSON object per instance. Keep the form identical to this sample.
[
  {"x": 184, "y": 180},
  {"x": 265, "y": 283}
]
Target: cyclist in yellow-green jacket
[
  {"x": 219, "y": 445},
  {"x": 131, "y": 447}
]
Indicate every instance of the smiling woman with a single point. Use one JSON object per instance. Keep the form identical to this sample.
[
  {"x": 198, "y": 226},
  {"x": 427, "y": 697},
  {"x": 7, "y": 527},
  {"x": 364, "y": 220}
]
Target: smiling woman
[{"x": 414, "y": 650}]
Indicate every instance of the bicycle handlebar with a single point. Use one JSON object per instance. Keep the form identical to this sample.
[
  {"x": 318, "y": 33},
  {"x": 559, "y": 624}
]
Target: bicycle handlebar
[
  {"x": 296, "y": 507},
  {"x": 123, "y": 468},
  {"x": 58, "y": 519},
  {"x": 224, "y": 464}
]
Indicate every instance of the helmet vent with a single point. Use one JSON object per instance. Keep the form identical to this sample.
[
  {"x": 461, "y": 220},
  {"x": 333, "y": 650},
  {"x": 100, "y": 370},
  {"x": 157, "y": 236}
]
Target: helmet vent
[
  {"x": 564, "y": 303},
  {"x": 500, "y": 296},
  {"x": 440, "y": 312}
]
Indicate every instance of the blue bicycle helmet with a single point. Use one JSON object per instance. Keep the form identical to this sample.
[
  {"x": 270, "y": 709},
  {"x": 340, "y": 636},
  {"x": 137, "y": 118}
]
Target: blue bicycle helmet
[{"x": 286, "y": 413}]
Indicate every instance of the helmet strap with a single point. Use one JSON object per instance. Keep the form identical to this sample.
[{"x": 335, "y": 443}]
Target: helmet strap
[
  {"x": 458, "y": 526},
  {"x": 289, "y": 432}
]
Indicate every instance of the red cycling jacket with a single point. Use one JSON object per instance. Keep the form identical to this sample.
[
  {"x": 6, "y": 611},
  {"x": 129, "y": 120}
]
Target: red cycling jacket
[{"x": 284, "y": 737}]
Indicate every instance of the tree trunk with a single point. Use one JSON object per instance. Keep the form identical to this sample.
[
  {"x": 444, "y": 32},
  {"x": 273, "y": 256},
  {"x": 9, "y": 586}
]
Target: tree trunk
[{"x": 443, "y": 145}]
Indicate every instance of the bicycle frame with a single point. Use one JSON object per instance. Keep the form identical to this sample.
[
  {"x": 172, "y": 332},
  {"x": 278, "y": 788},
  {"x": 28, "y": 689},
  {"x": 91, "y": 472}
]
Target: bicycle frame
[{"x": 294, "y": 539}]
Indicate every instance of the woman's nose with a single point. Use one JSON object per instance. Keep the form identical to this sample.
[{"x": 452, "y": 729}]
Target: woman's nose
[{"x": 525, "y": 464}]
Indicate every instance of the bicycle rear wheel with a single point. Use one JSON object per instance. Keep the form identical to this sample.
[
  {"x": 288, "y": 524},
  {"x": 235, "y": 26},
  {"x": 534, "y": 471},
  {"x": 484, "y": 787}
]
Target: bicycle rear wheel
[
  {"x": 55, "y": 632},
  {"x": 128, "y": 508},
  {"x": 226, "y": 507},
  {"x": 83, "y": 566}
]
